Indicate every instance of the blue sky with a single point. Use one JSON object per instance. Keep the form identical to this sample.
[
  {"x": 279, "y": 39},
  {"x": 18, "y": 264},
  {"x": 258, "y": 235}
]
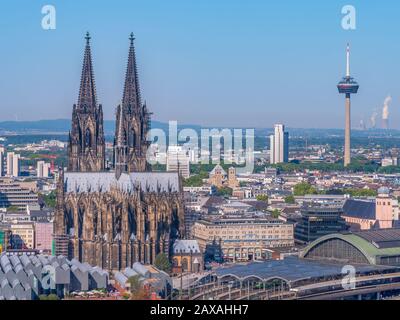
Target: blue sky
[{"x": 232, "y": 63}]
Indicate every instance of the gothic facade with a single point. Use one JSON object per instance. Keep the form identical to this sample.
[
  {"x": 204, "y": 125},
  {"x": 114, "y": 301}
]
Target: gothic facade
[{"x": 114, "y": 218}]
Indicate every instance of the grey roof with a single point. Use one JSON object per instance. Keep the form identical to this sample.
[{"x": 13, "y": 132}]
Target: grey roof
[
  {"x": 383, "y": 238},
  {"x": 291, "y": 269},
  {"x": 141, "y": 269},
  {"x": 21, "y": 274},
  {"x": 186, "y": 246},
  {"x": 384, "y": 190},
  {"x": 360, "y": 209},
  {"x": 82, "y": 182},
  {"x": 218, "y": 167}
]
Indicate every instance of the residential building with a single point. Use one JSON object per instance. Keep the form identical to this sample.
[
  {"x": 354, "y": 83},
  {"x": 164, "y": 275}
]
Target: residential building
[
  {"x": 43, "y": 169},
  {"x": 5, "y": 237},
  {"x": 23, "y": 235},
  {"x": 44, "y": 236},
  {"x": 178, "y": 161},
  {"x": 13, "y": 164},
  {"x": 387, "y": 162}
]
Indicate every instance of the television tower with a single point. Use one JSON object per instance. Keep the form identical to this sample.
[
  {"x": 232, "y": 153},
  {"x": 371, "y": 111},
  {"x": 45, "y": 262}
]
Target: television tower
[{"x": 347, "y": 86}]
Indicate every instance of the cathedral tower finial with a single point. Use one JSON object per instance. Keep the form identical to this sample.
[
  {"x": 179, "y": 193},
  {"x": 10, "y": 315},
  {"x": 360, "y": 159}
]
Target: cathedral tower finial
[
  {"x": 87, "y": 38},
  {"x": 87, "y": 92}
]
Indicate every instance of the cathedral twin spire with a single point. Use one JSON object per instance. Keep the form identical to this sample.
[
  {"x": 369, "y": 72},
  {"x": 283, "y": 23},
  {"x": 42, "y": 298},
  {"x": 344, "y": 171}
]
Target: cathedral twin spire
[
  {"x": 132, "y": 122},
  {"x": 86, "y": 150},
  {"x": 131, "y": 96},
  {"x": 87, "y": 92}
]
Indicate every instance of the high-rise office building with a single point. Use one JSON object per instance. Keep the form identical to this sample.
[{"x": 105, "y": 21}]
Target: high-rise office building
[
  {"x": 2, "y": 151},
  {"x": 279, "y": 145},
  {"x": 319, "y": 219},
  {"x": 178, "y": 160},
  {"x": 13, "y": 164},
  {"x": 43, "y": 169}
]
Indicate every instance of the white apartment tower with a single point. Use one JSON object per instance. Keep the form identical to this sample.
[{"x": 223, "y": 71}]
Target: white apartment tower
[
  {"x": 13, "y": 164},
  {"x": 43, "y": 169},
  {"x": 178, "y": 160},
  {"x": 279, "y": 145},
  {"x": 2, "y": 161}
]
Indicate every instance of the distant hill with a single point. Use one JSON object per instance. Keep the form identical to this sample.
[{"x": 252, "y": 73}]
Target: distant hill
[{"x": 62, "y": 126}]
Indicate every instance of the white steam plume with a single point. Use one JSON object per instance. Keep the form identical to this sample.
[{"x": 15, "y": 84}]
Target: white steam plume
[
  {"x": 373, "y": 119},
  {"x": 385, "y": 110}
]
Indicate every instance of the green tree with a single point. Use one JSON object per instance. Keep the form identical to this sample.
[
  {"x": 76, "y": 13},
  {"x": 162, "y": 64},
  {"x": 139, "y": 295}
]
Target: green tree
[
  {"x": 195, "y": 180},
  {"x": 12, "y": 209},
  {"x": 50, "y": 199},
  {"x": 134, "y": 283},
  {"x": 225, "y": 191},
  {"x": 290, "y": 199},
  {"x": 360, "y": 192},
  {"x": 161, "y": 262},
  {"x": 275, "y": 214},
  {"x": 137, "y": 290},
  {"x": 262, "y": 197},
  {"x": 304, "y": 188}
]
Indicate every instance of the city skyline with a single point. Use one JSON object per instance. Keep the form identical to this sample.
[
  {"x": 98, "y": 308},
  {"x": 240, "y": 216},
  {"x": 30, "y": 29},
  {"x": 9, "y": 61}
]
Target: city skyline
[{"x": 197, "y": 61}]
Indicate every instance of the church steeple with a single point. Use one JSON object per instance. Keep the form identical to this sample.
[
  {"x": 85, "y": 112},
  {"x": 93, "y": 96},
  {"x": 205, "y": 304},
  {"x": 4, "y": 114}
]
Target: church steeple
[
  {"x": 87, "y": 92},
  {"x": 133, "y": 118},
  {"x": 131, "y": 96},
  {"x": 86, "y": 150}
]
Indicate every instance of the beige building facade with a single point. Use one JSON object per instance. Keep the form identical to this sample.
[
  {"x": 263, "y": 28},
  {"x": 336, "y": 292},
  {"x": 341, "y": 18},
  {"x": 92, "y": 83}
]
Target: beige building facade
[
  {"x": 23, "y": 235},
  {"x": 244, "y": 239}
]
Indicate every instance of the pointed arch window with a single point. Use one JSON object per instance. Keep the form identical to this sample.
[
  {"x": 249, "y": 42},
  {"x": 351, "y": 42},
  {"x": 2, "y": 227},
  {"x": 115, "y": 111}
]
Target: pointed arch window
[
  {"x": 88, "y": 138},
  {"x": 132, "y": 137}
]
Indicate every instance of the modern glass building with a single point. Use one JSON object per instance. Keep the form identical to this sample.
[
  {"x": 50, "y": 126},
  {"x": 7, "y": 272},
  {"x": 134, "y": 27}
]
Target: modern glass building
[{"x": 318, "y": 220}]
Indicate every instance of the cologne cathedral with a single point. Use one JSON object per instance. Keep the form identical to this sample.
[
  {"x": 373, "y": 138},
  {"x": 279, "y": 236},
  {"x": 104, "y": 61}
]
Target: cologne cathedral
[{"x": 113, "y": 218}]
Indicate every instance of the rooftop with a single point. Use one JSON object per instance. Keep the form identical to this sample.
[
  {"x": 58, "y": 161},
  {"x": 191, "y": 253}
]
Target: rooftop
[
  {"x": 360, "y": 209},
  {"x": 291, "y": 269},
  {"x": 86, "y": 182},
  {"x": 371, "y": 243},
  {"x": 186, "y": 246}
]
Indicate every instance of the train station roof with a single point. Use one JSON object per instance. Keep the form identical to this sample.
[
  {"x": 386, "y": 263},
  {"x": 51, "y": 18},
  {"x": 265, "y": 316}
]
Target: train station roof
[
  {"x": 291, "y": 269},
  {"x": 371, "y": 243}
]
